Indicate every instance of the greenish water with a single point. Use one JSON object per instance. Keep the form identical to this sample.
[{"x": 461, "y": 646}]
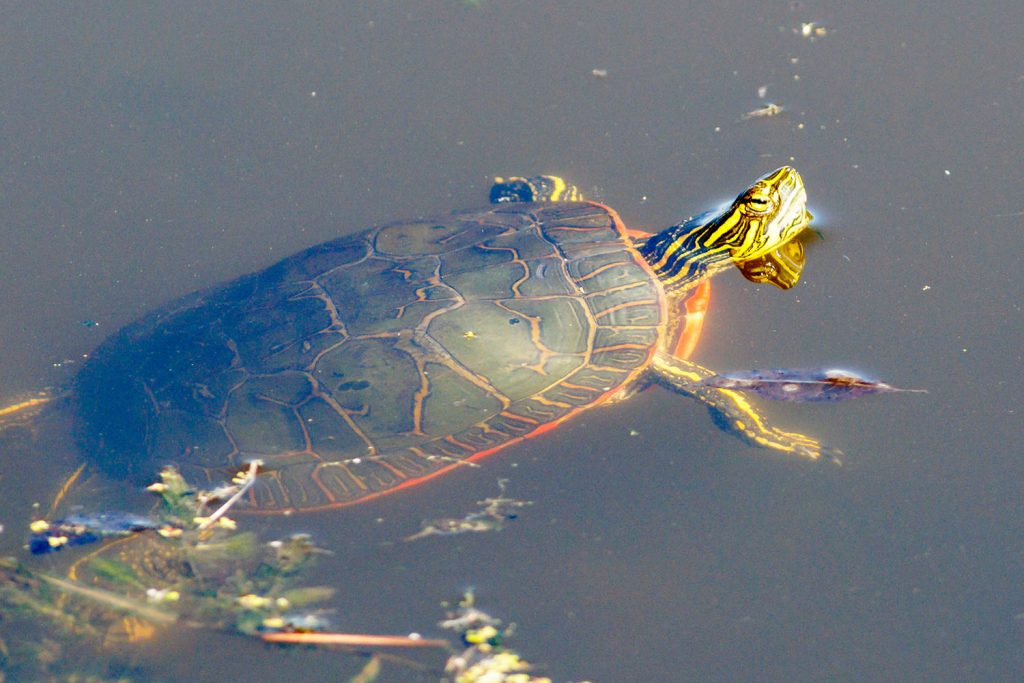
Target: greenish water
[{"x": 149, "y": 150}]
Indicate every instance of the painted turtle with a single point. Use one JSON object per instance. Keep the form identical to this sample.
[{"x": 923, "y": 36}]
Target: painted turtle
[{"x": 373, "y": 362}]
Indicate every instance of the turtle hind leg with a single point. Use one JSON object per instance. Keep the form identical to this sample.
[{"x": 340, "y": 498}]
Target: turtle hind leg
[
  {"x": 538, "y": 188},
  {"x": 733, "y": 413}
]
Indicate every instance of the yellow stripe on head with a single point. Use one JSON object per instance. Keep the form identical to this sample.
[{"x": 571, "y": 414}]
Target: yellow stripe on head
[{"x": 761, "y": 220}]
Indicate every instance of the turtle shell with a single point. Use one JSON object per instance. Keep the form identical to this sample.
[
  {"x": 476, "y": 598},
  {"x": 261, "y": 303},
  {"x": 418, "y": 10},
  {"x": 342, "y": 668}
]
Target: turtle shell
[{"x": 372, "y": 362}]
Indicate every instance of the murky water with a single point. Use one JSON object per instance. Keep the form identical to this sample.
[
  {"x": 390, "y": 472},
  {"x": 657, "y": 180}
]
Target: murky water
[{"x": 151, "y": 150}]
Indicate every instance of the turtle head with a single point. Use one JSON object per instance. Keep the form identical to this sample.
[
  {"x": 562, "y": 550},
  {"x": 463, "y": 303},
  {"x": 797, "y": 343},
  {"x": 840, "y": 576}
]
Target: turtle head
[
  {"x": 769, "y": 214},
  {"x": 752, "y": 232}
]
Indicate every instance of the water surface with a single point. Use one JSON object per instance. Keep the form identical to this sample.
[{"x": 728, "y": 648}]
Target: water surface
[{"x": 149, "y": 150}]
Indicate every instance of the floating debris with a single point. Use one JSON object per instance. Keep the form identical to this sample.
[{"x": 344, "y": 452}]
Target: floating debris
[
  {"x": 191, "y": 548},
  {"x": 485, "y": 657},
  {"x": 495, "y": 512},
  {"x": 811, "y": 30},
  {"x": 599, "y": 73},
  {"x": 766, "y": 111},
  {"x": 803, "y": 385},
  {"x": 210, "y": 575},
  {"x": 203, "y": 573}
]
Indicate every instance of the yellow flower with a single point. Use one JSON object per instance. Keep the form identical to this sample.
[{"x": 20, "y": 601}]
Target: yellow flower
[
  {"x": 481, "y": 635},
  {"x": 227, "y": 523},
  {"x": 252, "y": 601},
  {"x": 169, "y": 531},
  {"x": 273, "y": 622},
  {"x": 39, "y": 526},
  {"x": 508, "y": 661},
  {"x": 164, "y": 595},
  {"x": 57, "y": 541}
]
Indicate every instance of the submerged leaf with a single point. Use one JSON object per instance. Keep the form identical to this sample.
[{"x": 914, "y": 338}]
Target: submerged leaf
[
  {"x": 369, "y": 673},
  {"x": 802, "y": 385},
  {"x": 301, "y": 597},
  {"x": 115, "y": 572}
]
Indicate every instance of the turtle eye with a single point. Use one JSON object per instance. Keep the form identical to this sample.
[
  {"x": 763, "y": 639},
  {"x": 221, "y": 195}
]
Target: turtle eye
[{"x": 757, "y": 204}]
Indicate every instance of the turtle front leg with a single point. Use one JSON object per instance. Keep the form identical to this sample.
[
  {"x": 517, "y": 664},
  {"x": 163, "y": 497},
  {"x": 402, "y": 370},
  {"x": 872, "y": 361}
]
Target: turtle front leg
[{"x": 732, "y": 412}]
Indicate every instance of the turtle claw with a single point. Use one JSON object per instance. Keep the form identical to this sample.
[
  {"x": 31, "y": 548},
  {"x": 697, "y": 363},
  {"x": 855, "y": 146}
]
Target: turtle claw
[
  {"x": 825, "y": 454},
  {"x": 734, "y": 415},
  {"x": 834, "y": 455},
  {"x": 804, "y": 446}
]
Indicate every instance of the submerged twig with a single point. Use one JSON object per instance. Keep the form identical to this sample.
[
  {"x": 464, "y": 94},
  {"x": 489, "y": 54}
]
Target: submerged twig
[
  {"x": 110, "y": 600},
  {"x": 354, "y": 640},
  {"x": 250, "y": 479}
]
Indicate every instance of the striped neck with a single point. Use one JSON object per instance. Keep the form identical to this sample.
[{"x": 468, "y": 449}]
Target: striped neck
[{"x": 684, "y": 254}]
